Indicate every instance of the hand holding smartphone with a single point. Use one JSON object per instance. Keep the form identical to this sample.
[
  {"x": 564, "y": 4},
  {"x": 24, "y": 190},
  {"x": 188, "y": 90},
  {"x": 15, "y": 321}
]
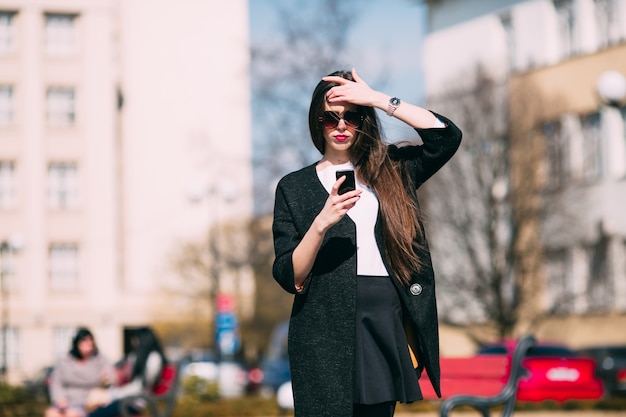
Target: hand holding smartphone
[{"x": 348, "y": 184}]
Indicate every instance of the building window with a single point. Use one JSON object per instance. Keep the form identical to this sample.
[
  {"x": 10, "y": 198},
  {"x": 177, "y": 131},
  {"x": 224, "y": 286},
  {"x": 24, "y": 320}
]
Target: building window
[
  {"x": 560, "y": 294},
  {"x": 6, "y": 32},
  {"x": 12, "y": 337},
  {"x": 592, "y": 147},
  {"x": 7, "y": 264},
  {"x": 62, "y": 185},
  {"x": 6, "y": 104},
  {"x": 60, "y": 34},
  {"x": 7, "y": 184},
  {"x": 63, "y": 266},
  {"x": 599, "y": 288},
  {"x": 61, "y": 106},
  {"x": 607, "y": 22},
  {"x": 566, "y": 22},
  {"x": 62, "y": 342},
  {"x": 556, "y": 159}
]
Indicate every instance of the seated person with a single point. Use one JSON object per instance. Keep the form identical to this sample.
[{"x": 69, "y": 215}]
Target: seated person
[
  {"x": 145, "y": 362},
  {"x": 76, "y": 374}
]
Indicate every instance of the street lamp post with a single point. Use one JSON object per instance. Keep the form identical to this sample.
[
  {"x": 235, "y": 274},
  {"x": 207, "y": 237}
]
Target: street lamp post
[
  {"x": 223, "y": 316},
  {"x": 611, "y": 88}
]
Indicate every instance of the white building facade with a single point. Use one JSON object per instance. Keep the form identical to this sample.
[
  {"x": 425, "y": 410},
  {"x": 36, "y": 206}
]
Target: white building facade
[
  {"x": 109, "y": 111},
  {"x": 565, "y": 47}
]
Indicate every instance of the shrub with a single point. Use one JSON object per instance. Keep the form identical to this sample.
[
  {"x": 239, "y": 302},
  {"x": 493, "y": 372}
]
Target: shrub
[
  {"x": 12, "y": 395},
  {"x": 197, "y": 390},
  {"x": 249, "y": 406},
  {"x": 18, "y": 402}
]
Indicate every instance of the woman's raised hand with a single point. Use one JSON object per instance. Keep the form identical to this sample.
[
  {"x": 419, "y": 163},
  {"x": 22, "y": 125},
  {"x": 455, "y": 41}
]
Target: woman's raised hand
[{"x": 356, "y": 92}]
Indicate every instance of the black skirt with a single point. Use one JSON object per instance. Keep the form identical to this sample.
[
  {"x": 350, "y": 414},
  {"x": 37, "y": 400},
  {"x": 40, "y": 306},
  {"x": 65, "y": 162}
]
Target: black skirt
[{"x": 384, "y": 371}]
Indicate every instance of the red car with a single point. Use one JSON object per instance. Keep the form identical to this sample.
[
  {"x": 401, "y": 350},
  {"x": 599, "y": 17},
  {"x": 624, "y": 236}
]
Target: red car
[{"x": 553, "y": 372}]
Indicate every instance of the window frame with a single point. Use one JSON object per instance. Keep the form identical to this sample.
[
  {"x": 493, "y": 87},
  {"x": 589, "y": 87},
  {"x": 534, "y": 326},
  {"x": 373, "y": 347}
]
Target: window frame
[
  {"x": 7, "y": 36},
  {"x": 58, "y": 39},
  {"x": 566, "y": 26},
  {"x": 60, "y": 106},
  {"x": 8, "y": 264},
  {"x": 7, "y": 104},
  {"x": 8, "y": 184},
  {"x": 560, "y": 294},
  {"x": 62, "y": 339},
  {"x": 593, "y": 162},
  {"x": 12, "y": 335},
  {"x": 556, "y": 156},
  {"x": 63, "y": 189},
  {"x": 64, "y": 266},
  {"x": 606, "y": 19},
  {"x": 600, "y": 288}
]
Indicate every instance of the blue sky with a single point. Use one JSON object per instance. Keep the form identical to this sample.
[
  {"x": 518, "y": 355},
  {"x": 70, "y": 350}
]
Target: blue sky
[{"x": 386, "y": 49}]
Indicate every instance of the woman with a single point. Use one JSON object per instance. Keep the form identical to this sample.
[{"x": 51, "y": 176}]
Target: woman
[
  {"x": 145, "y": 362},
  {"x": 363, "y": 283},
  {"x": 75, "y": 375}
]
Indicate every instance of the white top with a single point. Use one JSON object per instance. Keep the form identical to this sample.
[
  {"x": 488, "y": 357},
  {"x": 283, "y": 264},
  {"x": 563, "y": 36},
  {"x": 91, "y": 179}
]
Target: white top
[
  {"x": 139, "y": 385},
  {"x": 364, "y": 214}
]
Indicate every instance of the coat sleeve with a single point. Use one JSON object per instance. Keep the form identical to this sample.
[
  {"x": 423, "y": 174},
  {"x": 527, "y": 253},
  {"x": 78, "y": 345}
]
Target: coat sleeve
[
  {"x": 423, "y": 161},
  {"x": 286, "y": 238}
]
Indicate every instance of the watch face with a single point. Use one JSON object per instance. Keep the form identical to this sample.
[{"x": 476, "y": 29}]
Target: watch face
[{"x": 394, "y": 101}]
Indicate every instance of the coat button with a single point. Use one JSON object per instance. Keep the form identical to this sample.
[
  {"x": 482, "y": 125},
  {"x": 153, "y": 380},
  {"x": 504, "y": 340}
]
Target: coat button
[{"x": 416, "y": 289}]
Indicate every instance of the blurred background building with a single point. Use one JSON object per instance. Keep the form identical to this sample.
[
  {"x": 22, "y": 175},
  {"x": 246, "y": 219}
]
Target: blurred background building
[
  {"x": 558, "y": 68},
  {"x": 116, "y": 119}
]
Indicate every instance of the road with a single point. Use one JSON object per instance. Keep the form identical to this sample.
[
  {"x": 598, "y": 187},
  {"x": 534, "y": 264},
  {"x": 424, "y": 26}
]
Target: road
[
  {"x": 539, "y": 413},
  {"x": 542, "y": 413}
]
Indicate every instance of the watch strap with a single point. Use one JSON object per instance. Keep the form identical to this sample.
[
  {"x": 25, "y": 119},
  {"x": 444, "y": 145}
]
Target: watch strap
[{"x": 394, "y": 102}]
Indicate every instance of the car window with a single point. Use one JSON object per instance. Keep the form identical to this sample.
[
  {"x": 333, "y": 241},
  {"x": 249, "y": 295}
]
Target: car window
[
  {"x": 617, "y": 351},
  {"x": 602, "y": 351},
  {"x": 492, "y": 350},
  {"x": 536, "y": 351},
  {"x": 278, "y": 341},
  {"x": 550, "y": 351}
]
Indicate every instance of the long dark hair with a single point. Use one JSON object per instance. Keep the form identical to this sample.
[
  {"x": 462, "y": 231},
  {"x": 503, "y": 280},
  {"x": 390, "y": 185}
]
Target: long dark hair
[
  {"x": 145, "y": 342},
  {"x": 81, "y": 334},
  {"x": 400, "y": 215}
]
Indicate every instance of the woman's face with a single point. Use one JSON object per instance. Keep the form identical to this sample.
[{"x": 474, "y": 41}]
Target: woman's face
[
  {"x": 86, "y": 346},
  {"x": 340, "y": 138}
]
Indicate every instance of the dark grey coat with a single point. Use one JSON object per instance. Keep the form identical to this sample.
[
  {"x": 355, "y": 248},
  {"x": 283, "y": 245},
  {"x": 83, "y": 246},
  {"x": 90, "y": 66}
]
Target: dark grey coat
[{"x": 323, "y": 319}]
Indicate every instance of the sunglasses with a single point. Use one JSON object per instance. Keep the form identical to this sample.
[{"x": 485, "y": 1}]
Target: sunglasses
[{"x": 352, "y": 118}]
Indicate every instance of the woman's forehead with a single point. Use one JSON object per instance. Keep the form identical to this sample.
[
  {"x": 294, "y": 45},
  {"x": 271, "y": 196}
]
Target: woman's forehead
[{"x": 339, "y": 107}]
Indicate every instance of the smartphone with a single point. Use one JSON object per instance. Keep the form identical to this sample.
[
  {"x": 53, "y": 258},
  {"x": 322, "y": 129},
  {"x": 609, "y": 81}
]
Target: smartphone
[{"x": 348, "y": 184}]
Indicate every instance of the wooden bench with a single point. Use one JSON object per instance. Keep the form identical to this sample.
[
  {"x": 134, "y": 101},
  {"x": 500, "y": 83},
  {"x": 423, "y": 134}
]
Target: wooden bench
[
  {"x": 485, "y": 388},
  {"x": 478, "y": 375},
  {"x": 162, "y": 400}
]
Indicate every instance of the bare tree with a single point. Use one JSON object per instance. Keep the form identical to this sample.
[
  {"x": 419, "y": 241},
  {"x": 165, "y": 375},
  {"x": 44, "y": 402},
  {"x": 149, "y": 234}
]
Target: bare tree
[
  {"x": 229, "y": 251},
  {"x": 272, "y": 305},
  {"x": 311, "y": 41},
  {"x": 483, "y": 212}
]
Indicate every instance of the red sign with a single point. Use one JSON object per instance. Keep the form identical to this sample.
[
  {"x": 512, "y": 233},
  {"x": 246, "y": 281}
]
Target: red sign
[{"x": 225, "y": 302}]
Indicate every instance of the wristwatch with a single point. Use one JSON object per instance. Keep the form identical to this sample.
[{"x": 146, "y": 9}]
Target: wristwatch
[{"x": 394, "y": 102}]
